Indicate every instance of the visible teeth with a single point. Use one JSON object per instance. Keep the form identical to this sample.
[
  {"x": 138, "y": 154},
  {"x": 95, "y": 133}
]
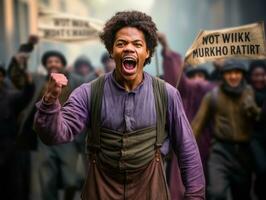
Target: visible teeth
[{"x": 129, "y": 59}]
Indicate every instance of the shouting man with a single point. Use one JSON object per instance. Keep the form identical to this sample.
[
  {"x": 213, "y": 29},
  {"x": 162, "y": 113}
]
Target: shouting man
[{"x": 132, "y": 118}]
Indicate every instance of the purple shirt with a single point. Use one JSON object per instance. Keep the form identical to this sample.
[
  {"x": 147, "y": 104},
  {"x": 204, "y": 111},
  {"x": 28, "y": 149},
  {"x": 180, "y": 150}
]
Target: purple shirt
[{"x": 126, "y": 111}]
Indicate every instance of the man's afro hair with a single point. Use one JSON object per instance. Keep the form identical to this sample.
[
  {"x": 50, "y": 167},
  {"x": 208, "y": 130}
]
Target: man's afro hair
[{"x": 135, "y": 19}]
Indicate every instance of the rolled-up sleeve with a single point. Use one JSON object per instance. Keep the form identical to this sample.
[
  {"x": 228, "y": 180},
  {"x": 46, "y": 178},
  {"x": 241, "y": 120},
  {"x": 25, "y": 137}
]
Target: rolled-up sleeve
[
  {"x": 55, "y": 124},
  {"x": 185, "y": 147}
]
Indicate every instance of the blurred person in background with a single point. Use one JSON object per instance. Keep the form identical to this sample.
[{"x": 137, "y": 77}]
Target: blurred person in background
[
  {"x": 216, "y": 73},
  {"x": 28, "y": 138},
  {"x": 19, "y": 62},
  {"x": 107, "y": 62},
  {"x": 18, "y": 74},
  {"x": 197, "y": 73},
  {"x": 233, "y": 108},
  {"x": 14, "y": 183},
  {"x": 83, "y": 72},
  {"x": 55, "y": 167},
  {"x": 7, "y": 82},
  {"x": 192, "y": 91},
  {"x": 257, "y": 79},
  {"x": 58, "y": 165}
]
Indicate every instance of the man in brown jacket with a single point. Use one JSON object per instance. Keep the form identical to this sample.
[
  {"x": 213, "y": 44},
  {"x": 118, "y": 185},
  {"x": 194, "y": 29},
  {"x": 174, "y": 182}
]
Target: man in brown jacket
[{"x": 233, "y": 109}]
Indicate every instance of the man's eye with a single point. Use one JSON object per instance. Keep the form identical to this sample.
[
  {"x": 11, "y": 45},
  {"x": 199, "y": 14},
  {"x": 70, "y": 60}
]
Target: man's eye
[
  {"x": 120, "y": 44},
  {"x": 138, "y": 45}
]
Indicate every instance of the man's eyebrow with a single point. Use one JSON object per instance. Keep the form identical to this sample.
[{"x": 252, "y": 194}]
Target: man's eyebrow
[
  {"x": 122, "y": 40},
  {"x": 138, "y": 40}
]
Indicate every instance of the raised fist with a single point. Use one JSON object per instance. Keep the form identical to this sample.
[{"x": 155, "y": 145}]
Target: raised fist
[
  {"x": 33, "y": 39},
  {"x": 56, "y": 83}
]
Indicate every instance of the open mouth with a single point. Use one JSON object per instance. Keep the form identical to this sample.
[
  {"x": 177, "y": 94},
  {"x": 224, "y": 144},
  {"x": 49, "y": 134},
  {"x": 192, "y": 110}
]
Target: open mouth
[{"x": 129, "y": 65}]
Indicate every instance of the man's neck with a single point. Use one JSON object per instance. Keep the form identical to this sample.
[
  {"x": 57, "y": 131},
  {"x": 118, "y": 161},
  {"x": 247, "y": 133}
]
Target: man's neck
[{"x": 129, "y": 85}]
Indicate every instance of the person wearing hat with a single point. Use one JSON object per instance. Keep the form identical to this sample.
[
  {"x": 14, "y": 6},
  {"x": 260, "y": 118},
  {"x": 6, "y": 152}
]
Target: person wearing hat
[
  {"x": 107, "y": 62},
  {"x": 83, "y": 72},
  {"x": 233, "y": 110},
  {"x": 197, "y": 73},
  {"x": 58, "y": 165},
  {"x": 54, "y": 167},
  {"x": 52, "y": 61},
  {"x": 83, "y": 66}
]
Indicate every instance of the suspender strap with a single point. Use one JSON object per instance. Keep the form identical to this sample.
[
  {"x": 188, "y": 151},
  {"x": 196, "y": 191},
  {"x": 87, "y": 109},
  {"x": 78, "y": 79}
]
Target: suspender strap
[
  {"x": 161, "y": 105},
  {"x": 97, "y": 88}
]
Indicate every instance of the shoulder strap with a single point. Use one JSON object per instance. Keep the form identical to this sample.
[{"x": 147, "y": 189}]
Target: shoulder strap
[
  {"x": 97, "y": 87},
  {"x": 161, "y": 105}
]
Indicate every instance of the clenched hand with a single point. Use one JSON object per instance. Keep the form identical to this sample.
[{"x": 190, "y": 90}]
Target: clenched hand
[{"x": 56, "y": 83}]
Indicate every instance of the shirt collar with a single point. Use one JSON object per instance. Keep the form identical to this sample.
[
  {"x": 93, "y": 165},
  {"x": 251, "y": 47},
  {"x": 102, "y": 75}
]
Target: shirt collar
[{"x": 122, "y": 88}]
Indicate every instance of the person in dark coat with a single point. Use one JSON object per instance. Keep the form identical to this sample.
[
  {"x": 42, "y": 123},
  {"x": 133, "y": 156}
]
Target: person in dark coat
[
  {"x": 13, "y": 184},
  {"x": 257, "y": 79}
]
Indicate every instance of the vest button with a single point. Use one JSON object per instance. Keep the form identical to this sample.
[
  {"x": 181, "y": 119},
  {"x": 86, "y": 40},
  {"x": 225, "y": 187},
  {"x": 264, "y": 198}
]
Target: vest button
[
  {"x": 123, "y": 152},
  {"x": 122, "y": 164},
  {"x": 157, "y": 159},
  {"x": 93, "y": 161}
]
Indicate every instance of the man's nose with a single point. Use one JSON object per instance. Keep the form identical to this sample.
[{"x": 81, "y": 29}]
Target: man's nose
[
  {"x": 129, "y": 48},
  {"x": 233, "y": 75}
]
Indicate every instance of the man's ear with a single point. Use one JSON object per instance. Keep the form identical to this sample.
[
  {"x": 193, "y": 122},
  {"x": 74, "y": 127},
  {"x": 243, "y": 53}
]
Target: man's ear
[
  {"x": 111, "y": 54},
  {"x": 148, "y": 54}
]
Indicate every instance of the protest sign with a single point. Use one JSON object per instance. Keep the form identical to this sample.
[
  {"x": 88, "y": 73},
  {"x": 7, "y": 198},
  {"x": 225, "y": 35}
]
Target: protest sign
[
  {"x": 67, "y": 28},
  {"x": 246, "y": 41}
]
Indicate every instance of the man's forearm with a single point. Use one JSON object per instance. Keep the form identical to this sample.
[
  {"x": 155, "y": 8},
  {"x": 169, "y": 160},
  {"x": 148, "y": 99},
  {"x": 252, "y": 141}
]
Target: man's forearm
[
  {"x": 47, "y": 122},
  {"x": 56, "y": 124}
]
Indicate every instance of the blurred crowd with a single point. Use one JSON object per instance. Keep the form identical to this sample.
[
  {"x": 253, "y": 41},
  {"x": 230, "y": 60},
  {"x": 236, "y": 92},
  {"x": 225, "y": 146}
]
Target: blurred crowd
[
  {"x": 226, "y": 109},
  {"x": 54, "y": 167}
]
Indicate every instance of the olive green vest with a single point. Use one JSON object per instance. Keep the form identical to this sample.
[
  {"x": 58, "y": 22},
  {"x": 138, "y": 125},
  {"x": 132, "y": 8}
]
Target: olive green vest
[{"x": 126, "y": 150}]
